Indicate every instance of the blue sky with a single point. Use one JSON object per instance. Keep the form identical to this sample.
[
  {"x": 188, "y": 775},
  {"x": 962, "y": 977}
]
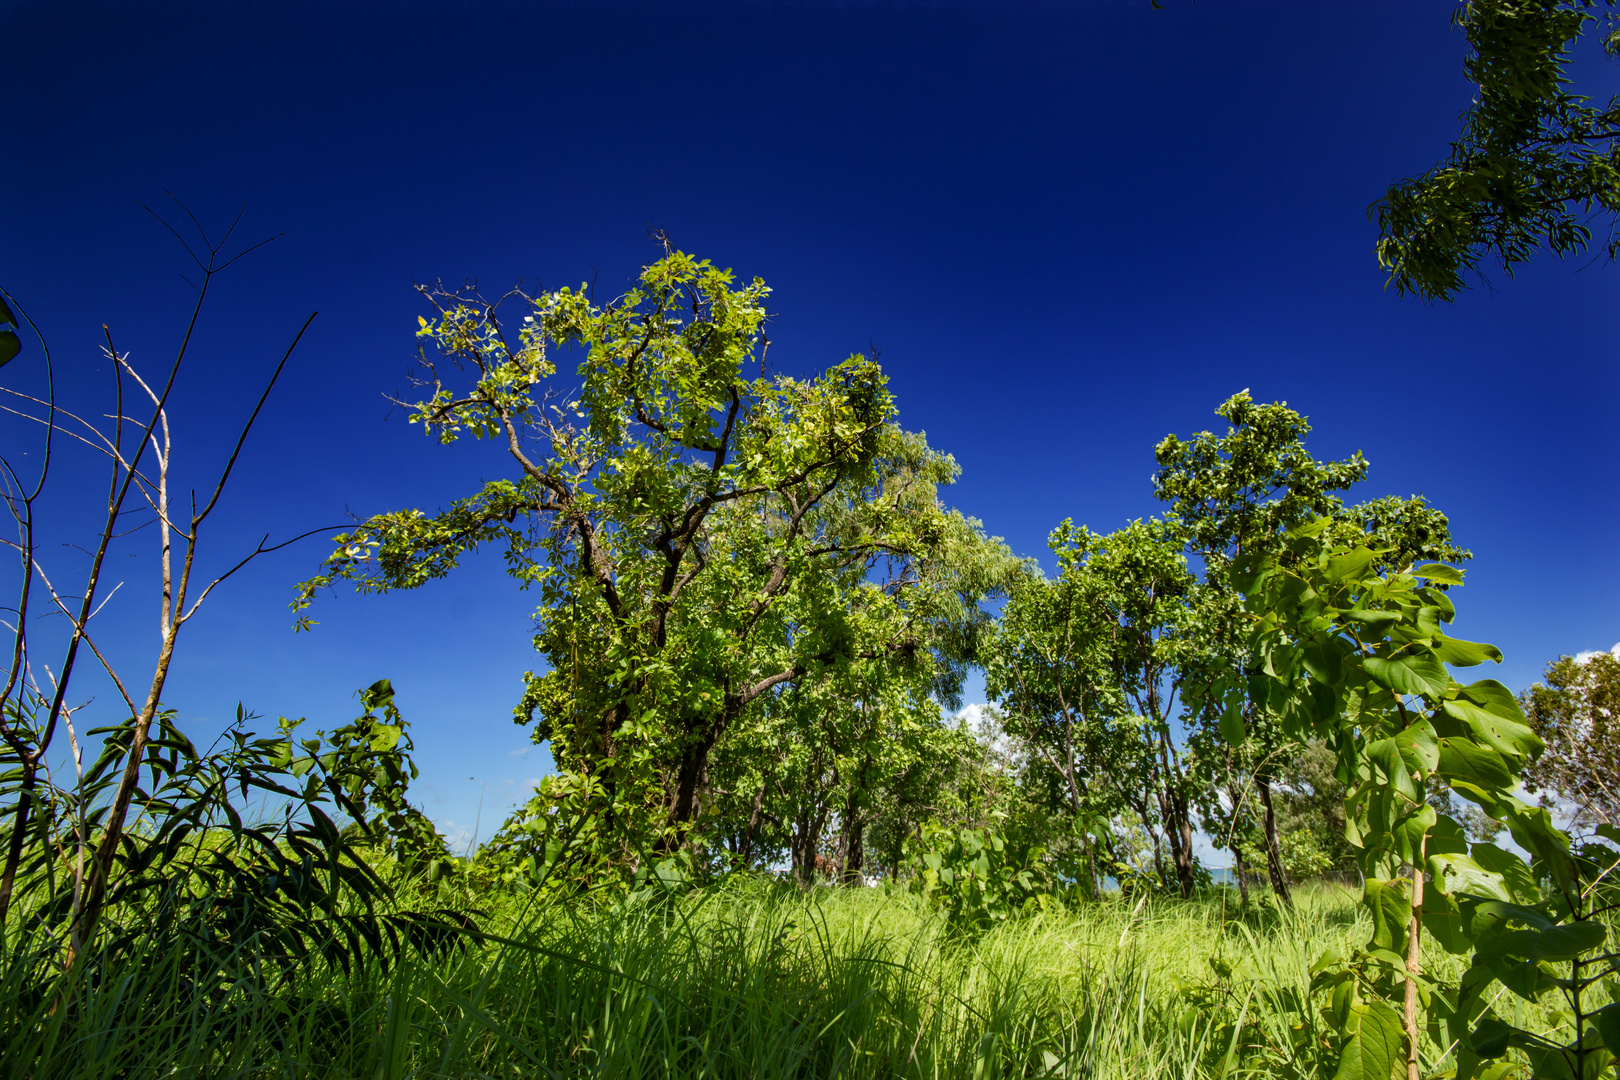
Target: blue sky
[{"x": 1070, "y": 228}]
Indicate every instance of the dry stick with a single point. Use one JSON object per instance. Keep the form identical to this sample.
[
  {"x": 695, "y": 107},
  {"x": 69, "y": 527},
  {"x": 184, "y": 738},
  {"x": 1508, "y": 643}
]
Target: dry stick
[{"x": 175, "y": 615}]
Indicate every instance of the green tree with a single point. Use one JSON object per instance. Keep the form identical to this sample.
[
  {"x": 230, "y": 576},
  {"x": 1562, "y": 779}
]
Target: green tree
[
  {"x": 1576, "y": 711},
  {"x": 694, "y": 534},
  {"x": 1090, "y": 666},
  {"x": 1049, "y": 666},
  {"x": 1238, "y": 495},
  {"x": 1534, "y": 164}
]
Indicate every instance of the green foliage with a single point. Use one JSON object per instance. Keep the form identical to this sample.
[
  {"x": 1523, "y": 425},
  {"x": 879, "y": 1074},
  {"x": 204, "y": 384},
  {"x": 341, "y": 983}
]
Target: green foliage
[
  {"x": 1576, "y": 711},
  {"x": 979, "y": 877},
  {"x": 1534, "y": 162},
  {"x": 366, "y": 768},
  {"x": 1346, "y": 653},
  {"x": 290, "y": 888},
  {"x": 711, "y": 551}
]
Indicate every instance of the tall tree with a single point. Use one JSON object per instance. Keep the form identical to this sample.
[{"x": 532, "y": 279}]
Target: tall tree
[
  {"x": 1239, "y": 494},
  {"x": 691, "y": 531},
  {"x": 1089, "y": 667},
  {"x": 1049, "y": 666}
]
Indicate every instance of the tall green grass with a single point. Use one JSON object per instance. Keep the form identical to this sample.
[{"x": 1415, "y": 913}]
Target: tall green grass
[{"x": 749, "y": 979}]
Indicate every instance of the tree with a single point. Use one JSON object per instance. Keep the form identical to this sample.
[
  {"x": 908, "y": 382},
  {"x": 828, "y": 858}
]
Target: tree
[
  {"x": 1090, "y": 666},
  {"x": 1576, "y": 711},
  {"x": 1535, "y": 161},
  {"x": 700, "y": 540},
  {"x": 1238, "y": 496},
  {"x": 1049, "y": 666}
]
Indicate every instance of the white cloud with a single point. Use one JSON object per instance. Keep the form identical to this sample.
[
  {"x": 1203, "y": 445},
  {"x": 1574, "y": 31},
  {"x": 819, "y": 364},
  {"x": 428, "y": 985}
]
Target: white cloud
[
  {"x": 1581, "y": 658},
  {"x": 978, "y": 714},
  {"x": 458, "y": 838}
]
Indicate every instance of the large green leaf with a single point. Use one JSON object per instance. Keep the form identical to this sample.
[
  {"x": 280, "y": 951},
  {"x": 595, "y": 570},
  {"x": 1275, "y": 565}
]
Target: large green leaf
[
  {"x": 1447, "y": 575},
  {"x": 1516, "y": 876},
  {"x": 1492, "y": 695},
  {"x": 1418, "y": 747},
  {"x": 1490, "y": 1036},
  {"x": 1467, "y": 760},
  {"x": 1607, "y": 1021},
  {"x": 1568, "y": 940},
  {"x": 1507, "y": 734},
  {"x": 1409, "y": 674},
  {"x": 1374, "y": 622},
  {"x": 1391, "y": 911},
  {"x": 10, "y": 346},
  {"x": 1462, "y": 874},
  {"x": 1233, "y": 730},
  {"x": 1376, "y": 1047},
  {"x": 1460, "y": 653},
  {"x": 1443, "y": 921},
  {"x": 1562, "y": 942},
  {"x": 1352, "y": 565},
  {"x": 5, "y": 314}
]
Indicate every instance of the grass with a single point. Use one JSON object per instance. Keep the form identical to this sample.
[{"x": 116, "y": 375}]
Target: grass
[{"x": 749, "y": 979}]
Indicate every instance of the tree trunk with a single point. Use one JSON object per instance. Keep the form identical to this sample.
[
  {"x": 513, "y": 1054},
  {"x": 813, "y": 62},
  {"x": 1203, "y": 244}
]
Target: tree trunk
[
  {"x": 745, "y": 849},
  {"x": 19, "y": 827},
  {"x": 1242, "y": 874},
  {"x": 854, "y": 851},
  {"x": 1178, "y": 830},
  {"x": 804, "y": 852},
  {"x": 1181, "y": 848},
  {"x": 689, "y": 784},
  {"x": 1274, "y": 866}
]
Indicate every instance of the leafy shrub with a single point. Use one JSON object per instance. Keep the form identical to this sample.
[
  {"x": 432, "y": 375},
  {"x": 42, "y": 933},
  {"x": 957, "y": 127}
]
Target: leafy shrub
[{"x": 979, "y": 877}]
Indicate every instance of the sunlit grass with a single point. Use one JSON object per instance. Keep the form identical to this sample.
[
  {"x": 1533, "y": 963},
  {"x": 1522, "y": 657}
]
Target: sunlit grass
[{"x": 750, "y": 979}]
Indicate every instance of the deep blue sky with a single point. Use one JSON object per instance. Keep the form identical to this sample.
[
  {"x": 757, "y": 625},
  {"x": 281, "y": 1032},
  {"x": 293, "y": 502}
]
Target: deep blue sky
[{"x": 1070, "y": 228}]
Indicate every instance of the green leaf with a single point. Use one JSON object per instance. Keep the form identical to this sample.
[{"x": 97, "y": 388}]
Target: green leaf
[
  {"x": 1607, "y": 1022},
  {"x": 10, "y": 346},
  {"x": 1520, "y": 882},
  {"x": 1520, "y": 912},
  {"x": 1462, "y": 874},
  {"x": 1494, "y": 696},
  {"x": 5, "y": 314},
  {"x": 1375, "y": 1048},
  {"x": 1390, "y": 909},
  {"x": 1568, "y": 940},
  {"x": 1233, "y": 729},
  {"x": 1466, "y": 760},
  {"x": 1376, "y": 622},
  {"x": 1409, "y": 674},
  {"x": 1460, "y": 653},
  {"x": 1490, "y": 1036},
  {"x": 1507, "y": 734},
  {"x": 1418, "y": 747},
  {"x": 1443, "y": 921},
  {"x": 1352, "y": 565},
  {"x": 1446, "y": 575}
]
